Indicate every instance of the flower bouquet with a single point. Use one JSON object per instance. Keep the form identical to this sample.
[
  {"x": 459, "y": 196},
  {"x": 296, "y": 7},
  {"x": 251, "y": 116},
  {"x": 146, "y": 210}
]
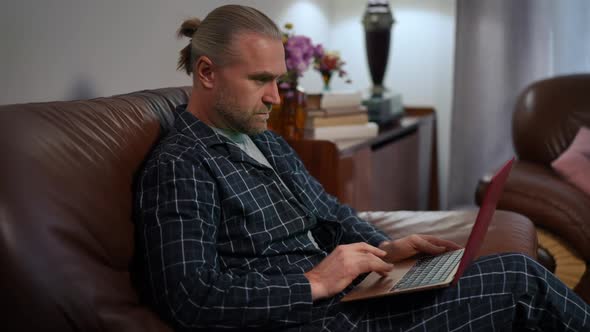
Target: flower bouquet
[
  {"x": 329, "y": 63},
  {"x": 300, "y": 52}
]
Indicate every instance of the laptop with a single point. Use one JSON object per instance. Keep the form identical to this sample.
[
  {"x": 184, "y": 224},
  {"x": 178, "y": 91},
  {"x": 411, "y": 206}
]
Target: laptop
[{"x": 430, "y": 272}]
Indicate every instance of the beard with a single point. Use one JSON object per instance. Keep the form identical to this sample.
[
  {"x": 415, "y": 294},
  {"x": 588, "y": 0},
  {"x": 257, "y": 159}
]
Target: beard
[{"x": 237, "y": 117}]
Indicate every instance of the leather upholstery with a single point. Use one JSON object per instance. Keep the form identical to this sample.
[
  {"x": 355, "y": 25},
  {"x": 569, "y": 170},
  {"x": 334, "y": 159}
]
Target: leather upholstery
[
  {"x": 538, "y": 192},
  {"x": 547, "y": 116},
  {"x": 66, "y": 235}
]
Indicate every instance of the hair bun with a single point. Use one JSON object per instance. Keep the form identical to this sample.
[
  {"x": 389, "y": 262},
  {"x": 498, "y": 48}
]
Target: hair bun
[{"x": 188, "y": 27}]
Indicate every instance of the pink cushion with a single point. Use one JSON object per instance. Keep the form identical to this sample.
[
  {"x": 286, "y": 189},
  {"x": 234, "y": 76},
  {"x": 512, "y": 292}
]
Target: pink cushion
[{"x": 574, "y": 163}]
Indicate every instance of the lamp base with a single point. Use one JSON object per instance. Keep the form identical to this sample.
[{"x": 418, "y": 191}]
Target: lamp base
[{"x": 384, "y": 108}]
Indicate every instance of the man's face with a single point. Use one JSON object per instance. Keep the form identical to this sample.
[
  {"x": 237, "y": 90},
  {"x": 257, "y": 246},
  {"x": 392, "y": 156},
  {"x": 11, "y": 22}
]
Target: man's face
[{"x": 247, "y": 87}]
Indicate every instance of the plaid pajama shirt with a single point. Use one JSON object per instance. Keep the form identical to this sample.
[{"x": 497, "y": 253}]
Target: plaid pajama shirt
[{"x": 222, "y": 244}]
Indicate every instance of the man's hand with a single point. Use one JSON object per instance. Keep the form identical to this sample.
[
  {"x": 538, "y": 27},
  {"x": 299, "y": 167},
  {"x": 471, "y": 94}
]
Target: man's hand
[
  {"x": 342, "y": 266},
  {"x": 413, "y": 244}
]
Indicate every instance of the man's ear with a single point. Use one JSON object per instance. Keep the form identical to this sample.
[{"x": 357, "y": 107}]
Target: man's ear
[{"x": 204, "y": 72}]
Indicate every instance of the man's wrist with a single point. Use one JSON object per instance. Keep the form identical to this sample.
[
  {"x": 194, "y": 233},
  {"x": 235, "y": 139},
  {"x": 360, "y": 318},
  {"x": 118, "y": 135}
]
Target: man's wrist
[{"x": 317, "y": 288}]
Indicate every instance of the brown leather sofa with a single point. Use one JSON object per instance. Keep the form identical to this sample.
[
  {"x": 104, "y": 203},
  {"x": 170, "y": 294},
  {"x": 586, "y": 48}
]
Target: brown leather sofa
[
  {"x": 546, "y": 118},
  {"x": 66, "y": 234}
]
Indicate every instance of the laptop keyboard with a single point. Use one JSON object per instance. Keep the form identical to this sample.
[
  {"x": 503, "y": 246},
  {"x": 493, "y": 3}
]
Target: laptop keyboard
[{"x": 430, "y": 270}]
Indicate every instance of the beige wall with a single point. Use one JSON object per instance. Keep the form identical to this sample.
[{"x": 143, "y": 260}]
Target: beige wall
[{"x": 65, "y": 49}]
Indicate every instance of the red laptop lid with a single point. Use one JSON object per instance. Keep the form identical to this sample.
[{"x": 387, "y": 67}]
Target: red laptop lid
[{"x": 484, "y": 216}]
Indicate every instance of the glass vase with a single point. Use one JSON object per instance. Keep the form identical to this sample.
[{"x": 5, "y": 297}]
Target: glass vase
[
  {"x": 288, "y": 118},
  {"x": 326, "y": 76}
]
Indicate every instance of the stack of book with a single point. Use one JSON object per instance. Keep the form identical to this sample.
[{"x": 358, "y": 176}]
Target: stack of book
[{"x": 338, "y": 116}]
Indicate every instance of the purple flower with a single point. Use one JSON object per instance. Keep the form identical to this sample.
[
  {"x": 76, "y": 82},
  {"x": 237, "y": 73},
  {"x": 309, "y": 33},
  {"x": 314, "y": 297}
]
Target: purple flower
[
  {"x": 300, "y": 52},
  {"x": 318, "y": 51}
]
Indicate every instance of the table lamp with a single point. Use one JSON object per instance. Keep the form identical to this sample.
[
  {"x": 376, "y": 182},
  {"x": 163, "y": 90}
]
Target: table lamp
[{"x": 377, "y": 22}]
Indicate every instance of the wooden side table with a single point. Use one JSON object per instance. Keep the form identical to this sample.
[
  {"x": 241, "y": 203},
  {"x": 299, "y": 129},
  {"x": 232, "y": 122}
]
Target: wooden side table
[{"x": 394, "y": 171}]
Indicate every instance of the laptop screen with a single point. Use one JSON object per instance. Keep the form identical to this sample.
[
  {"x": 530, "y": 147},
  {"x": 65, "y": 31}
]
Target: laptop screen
[{"x": 484, "y": 216}]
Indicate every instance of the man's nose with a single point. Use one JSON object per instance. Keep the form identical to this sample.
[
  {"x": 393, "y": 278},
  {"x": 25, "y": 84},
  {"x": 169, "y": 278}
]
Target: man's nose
[{"x": 271, "y": 95}]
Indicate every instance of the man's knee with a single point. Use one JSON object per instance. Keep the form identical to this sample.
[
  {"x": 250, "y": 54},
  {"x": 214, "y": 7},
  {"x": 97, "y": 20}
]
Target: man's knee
[
  {"x": 510, "y": 262},
  {"x": 511, "y": 272}
]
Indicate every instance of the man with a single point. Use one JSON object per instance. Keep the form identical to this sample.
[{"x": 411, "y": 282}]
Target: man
[{"x": 234, "y": 233}]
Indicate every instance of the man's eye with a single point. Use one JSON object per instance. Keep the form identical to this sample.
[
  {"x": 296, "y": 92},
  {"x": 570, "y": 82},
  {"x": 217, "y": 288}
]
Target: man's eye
[{"x": 263, "y": 81}]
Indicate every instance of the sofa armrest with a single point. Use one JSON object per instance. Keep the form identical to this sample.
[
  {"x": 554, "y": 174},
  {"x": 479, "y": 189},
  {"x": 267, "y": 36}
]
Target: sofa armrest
[
  {"x": 508, "y": 231},
  {"x": 548, "y": 201}
]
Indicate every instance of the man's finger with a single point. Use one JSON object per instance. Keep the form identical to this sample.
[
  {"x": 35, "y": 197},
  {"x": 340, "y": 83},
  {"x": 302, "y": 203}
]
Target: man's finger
[
  {"x": 450, "y": 245},
  {"x": 372, "y": 263},
  {"x": 370, "y": 249},
  {"x": 381, "y": 267},
  {"x": 425, "y": 246}
]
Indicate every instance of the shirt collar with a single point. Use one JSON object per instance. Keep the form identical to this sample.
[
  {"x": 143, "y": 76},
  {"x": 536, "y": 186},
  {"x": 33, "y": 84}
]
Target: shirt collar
[{"x": 189, "y": 125}]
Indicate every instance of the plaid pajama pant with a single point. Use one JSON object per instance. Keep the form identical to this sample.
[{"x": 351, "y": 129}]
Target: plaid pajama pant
[{"x": 497, "y": 293}]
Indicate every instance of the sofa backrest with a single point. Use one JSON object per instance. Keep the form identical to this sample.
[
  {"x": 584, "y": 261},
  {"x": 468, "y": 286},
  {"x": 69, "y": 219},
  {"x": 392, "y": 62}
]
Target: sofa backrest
[
  {"x": 66, "y": 233},
  {"x": 548, "y": 115}
]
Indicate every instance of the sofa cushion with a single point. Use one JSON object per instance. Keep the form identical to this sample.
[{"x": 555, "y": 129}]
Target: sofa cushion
[
  {"x": 574, "y": 163},
  {"x": 508, "y": 231}
]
